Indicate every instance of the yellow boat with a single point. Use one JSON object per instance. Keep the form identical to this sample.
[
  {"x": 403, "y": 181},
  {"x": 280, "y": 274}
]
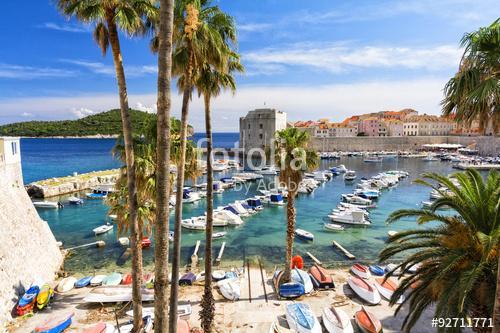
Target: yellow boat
[{"x": 44, "y": 296}]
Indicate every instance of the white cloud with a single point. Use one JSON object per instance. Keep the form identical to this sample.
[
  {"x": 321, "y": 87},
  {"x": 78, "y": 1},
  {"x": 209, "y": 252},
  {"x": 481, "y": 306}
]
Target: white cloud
[
  {"x": 339, "y": 57},
  {"x": 253, "y": 27},
  {"x": 20, "y": 72},
  {"x": 81, "y": 112},
  {"x": 150, "y": 109},
  {"x": 27, "y": 114},
  {"x": 335, "y": 101},
  {"x": 63, "y": 27},
  {"x": 101, "y": 68}
]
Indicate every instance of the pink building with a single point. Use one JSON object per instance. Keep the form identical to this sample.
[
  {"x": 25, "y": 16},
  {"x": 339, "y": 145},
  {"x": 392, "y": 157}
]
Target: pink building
[{"x": 369, "y": 126}]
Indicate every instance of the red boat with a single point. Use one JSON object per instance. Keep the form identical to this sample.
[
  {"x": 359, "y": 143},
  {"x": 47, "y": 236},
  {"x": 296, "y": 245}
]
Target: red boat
[
  {"x": 22, "y": 310},
  {"x": 182, "y": 326},
  {"x": 127, "y": 279},
  {"x": 321, "y": 278},
  {"x": 367, "y": 321},
  {"x": 146, "y": 242},
  {"x": 98, "y": 328},
  {"x": 361, "y": 270}
]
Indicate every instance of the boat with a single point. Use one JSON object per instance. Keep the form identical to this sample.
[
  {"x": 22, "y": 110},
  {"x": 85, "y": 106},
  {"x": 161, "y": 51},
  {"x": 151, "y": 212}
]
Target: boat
[
  {"x": 102, "y": 229},
  {"x": 230, "y": 289},
  {"x": 127, "y": 279},
  {"x": 115, "y": 294},
  {"x": 392, "y": 267},
  {"x": 145, "y": 242},
  {"x": 218, "y": 235},
  {"x": 189, "y": 196},
  {"x": 361, "y": 270},
  {"x": 277, "y": 327},
  {"x": 66, "y": 284},
  {"x": 276, "y": 199},
  {"x": 148, "y": 280},
  {"x": 113, "y": 279},
  {"x": 300, "y": 276},
  {"x": 75, "y": 201},
  {"x": 333, "y": 227},
  {"x": 255, "y": 204},
  {"x": 367, "y": 193},
  {"x": 124, "y": 241},
  {"x": 356, "y": 199},
  {"x": 350, "y": 217},
  {"x": 218, "y": 275},
  {"x": 44, "y": 296},
  {"x": 320, "y": 277},
  {"x": 386, "y": 287},
  {"x": 27, "y": 301},
  {"x": 183, "y": 326},
  {"x": 336, "y": 321},
  {"x": 55, "y": 324},
  {"x": 305, "y": 235},
  {"x": 267, "y": 171},
  {"x": 372, "y": 159},
  {"x": 429, "y": 158},
  {"x": 83, "y": 282},
  {"x": 364, "y": 289},
  {"x": 289, "y": 289},
  {"x": 182, "y": 310},
  {"x": 377, "y": 270},
  {"x": 350, "y": 175},
  {"x": 356, "y": 206},
  {"x": 187, "y": 279},
  {"x": 98, "y": 194},
  {"x": 46, "y": 204},
  {"x": 367, "y": 322},
  {"x": 301, "y": 319},
  {"x": 227, "y": 217},
  {"x": 392, "y": 233},
  {"x": 193, "y": 224},
  {"x": 97, "y": 280},
  {"x": 101, "y": 328}
]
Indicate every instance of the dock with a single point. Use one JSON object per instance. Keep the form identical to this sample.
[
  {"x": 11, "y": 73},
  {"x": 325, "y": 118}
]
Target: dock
[
  {"x": 99, "y": 243},
  {"x": 316, "y": 260},
  {"x": 348, "y": 254},
  {"x": 194, "y": 256},
  {"x": 221, "y": 251},
  {"x": 480, "y": 167}
]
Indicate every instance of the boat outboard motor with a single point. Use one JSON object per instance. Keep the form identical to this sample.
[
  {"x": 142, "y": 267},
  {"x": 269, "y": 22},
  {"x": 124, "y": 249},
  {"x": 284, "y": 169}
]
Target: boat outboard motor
[{"x": 60, "y": 205}]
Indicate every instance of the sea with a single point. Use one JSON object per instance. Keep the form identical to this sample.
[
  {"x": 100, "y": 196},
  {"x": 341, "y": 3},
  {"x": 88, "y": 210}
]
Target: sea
[{"x": 262, "y": 236}]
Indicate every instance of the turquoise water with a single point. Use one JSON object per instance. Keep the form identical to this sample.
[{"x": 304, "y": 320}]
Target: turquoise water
[{"x": 263, "y": 234}]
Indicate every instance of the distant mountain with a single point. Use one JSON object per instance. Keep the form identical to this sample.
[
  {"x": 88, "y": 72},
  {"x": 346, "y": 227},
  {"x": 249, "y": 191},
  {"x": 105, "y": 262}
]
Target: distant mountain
[{"x": 101, "y": 124}]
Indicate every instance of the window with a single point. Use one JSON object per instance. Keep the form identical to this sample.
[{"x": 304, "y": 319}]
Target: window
[
  {"x": 248, "y": 126},
  {"x": 260, "y": 126},
  {"x": 249, "y": 135},
  {"x": 260, "y": 136},
  {"x": 14, "y": 148}
]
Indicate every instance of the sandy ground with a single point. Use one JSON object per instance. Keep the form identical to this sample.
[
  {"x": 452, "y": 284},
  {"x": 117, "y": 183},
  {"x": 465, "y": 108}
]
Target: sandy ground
[{"x": 253, "y": 314}]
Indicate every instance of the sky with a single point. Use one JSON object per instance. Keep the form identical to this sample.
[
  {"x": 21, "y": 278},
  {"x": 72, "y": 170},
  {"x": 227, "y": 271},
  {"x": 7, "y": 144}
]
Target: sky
[{"x": 312, "y": 59}]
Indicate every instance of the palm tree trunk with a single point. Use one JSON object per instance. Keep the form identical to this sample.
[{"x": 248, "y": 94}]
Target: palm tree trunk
[
  {"x": 496, "y": 309},
  {"x": 174, "y": 290},
  {"x": 290, "y": 233},
  {"x": 129, "y": 157},
  {"x": 207, "y": 311},
  {"x": 163, "y": 165}
]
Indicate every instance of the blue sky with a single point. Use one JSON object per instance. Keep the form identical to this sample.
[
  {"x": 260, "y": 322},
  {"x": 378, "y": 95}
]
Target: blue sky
[{"x": 313, "y": 59}]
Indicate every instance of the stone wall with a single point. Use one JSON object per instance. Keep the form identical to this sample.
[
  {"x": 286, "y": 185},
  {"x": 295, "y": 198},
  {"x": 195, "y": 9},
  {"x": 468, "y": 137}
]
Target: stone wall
[
  {"x": 487, "y": 145},
  {"x": 28, "y": 249}
]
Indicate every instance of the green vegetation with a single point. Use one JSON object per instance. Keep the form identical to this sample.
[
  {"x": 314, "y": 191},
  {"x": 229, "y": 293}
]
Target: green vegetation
[{"x": 105, "y": 123}]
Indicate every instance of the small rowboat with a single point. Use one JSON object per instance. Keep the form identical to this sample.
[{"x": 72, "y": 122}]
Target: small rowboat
[
  {"x": 97, "y": 280},
  {"x": 187, "y": 279},
  {"x": 113, "y": 279},
  {"x": 127, "y": 279},
  {"x": 218, "y": 235},
  {"x": 116, "y": 294},
  {"x": 145, "y": 242},
  {"x": 361, "y": 270},
  {"x": 367, "y": 322},
  {"x": 377, "y": 270},
  {"x": 124, "y": 241},
  {"x": 44, "y": 296},
  {"x": 289, "y": 289},
  {"x": 277, "y": 327},
  {"x": 305, "y": 235},
  {"x": 301, "y": 319},
  {"x": 387, "y": 287},
  {"x": 101, "y": 328},
  {"x": 333, "y": 227},
  {"x": 183, "y": 326},
  {"x": 320, "y": 277},
  {"x": 218, "y": 275},
  {"x": 102, "y": 229},
  {"x": 83, "y": 282},
  {"x": 230, "y": 289},
  {"x": 66, "y": 284},
  {"x": 55, "y": 325},
  {"x": 300, "y": 276},
  {"x": 364, "y": 289},
  {"x": 336, "y": 321},
  {"x": 392, "y": 267}
]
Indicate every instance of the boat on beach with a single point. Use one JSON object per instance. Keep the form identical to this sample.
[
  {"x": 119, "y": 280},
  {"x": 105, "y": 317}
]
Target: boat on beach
[
  {"x": 287, "y": 290},
  {"x": 97, "y": 280},
  {"x": 361, "y": 270},
  {"x": 115, "y": 294},
  {"x": 66, "y": 284},
  {"x": 27, "y": 301},
  {"x": 83, "y": 282},
  {"x": 386, "y": 287},
  {"x": 301, "y": 319},
  {"x": 364, "y": 289},
  {"x": 113, "y": 279},
  {"x": 55, "y": 324},
  {"x": 336, "y": 320},
  {"x": 367, "y": 322},
  {"x": 377, "y": 270},
  {"x": 230, "y": 289},
  {"x": 44, "y": 296},
  {"x": 320, "y": 277},
  {"x": 300, "y": 276}
]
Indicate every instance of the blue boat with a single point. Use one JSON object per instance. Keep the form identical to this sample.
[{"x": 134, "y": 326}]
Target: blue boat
[
  {"x": 83, "y": 282},
  {"x": 291, "y": 290},
  {"x": 255, "y": 204},
  {"x": 300, "y": 318},
  {"x": 368, "y": 194},
  {"x": 376, "y": 270},
  {"x": 29, "y": 296},
  {"x": 276, "y": 199},
  {"x": 230, "y": 275},
  {"x": 232, "y": 210},
  {"x": 55, "y": 325}
]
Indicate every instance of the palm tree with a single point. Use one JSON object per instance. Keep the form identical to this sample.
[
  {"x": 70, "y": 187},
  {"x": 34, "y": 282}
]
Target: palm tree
[
  {"x": 293, "y": 158},
  {"x": 165, "y": 41},
  {"x": 109, "y": 16},
  {"x": 200, "y": 32},
  {"x": 457, "y": 258},
  {"x": 209, "y": 83},
  {"x": 474, "y": 92}
]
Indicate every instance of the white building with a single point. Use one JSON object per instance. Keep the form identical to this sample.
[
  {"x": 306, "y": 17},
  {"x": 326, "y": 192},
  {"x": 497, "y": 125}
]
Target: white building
[
  {"x": 10, "y": 158},
  {"x": 258, "y": 128}
]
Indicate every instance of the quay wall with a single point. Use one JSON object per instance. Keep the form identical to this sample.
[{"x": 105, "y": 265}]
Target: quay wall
[
  {"x": 65, "y": 185},
  {"x": 487, "y": 145},
  {"x": 28, "y": 249}
]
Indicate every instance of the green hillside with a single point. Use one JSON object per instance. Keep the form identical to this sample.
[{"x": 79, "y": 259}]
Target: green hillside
[{"x": 105, "y": 123}]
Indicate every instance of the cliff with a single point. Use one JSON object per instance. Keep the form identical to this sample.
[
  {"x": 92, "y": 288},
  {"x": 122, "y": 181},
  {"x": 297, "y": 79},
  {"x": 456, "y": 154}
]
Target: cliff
[{"x": 28, "y": 249}]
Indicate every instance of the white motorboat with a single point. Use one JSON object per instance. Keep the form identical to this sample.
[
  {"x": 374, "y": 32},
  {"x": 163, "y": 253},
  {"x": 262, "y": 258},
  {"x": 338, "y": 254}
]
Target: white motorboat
[
  {"x": 350, "y": 175},
  {"x": 341, "y": 168},
  {"x": 115, "y": 294},
  {"x": 230, "y": 289},
  {"x": 218, "y": 235},
  {"x": 189, "y": 197},
  {"x": 333, "y": 227},
  {"x": 124, "y": 241},
  {"x": 228, "y": 216},
  {"x": 46, "y": 204},
  {"x": 217, "y": 167},
  {"x": 355, "y": 206},
  {"x": 350, "y": 217},
  {"x": 336, "y": 321},
  {"x": 267, "y": 171},
  {"x": 102, "y": 229},
  {"x": 301, "y": 319},
  {"x": 303, "y": 234},
  {"x": 373, "y": 159},
  {"x": 387, "y": 287},
  {"x": 303, "y": 278},
  {"x": 193, "y": 224},
  {"x": 364, "y": 289},
  {"x": 430, "y": 158},
  {"x": 238, "y": 207},
  {"x": 75, "y": 201},
  {"x": 355, "y": 199}
]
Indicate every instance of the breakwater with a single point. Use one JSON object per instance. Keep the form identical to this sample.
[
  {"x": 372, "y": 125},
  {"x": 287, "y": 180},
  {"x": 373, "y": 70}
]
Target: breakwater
[{"x": 65, "y": 185}]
